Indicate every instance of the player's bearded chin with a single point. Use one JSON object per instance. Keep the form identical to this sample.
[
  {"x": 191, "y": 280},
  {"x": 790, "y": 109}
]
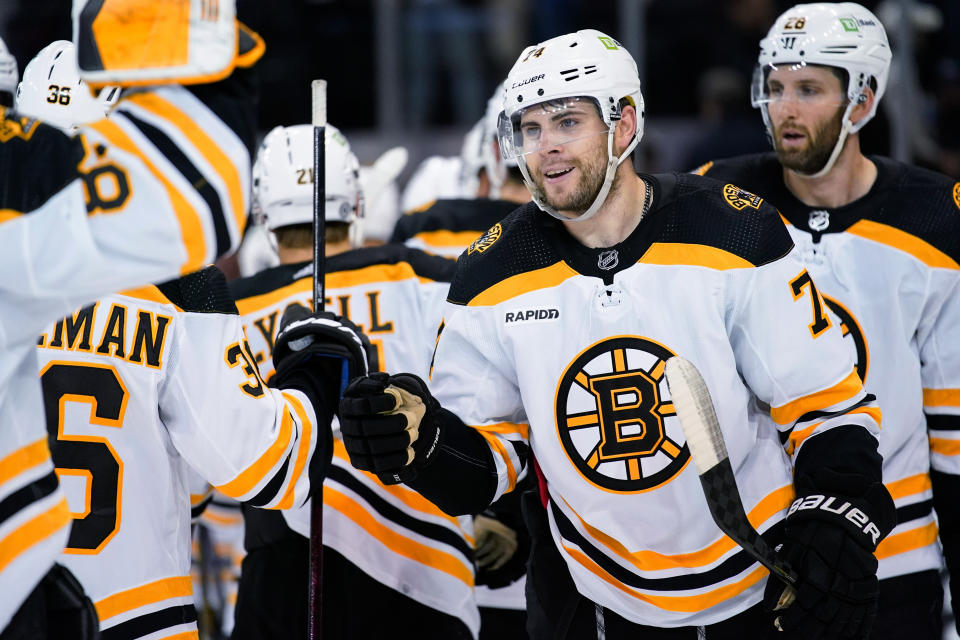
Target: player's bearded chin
[
  {"x": 591, "y": 171},
  {"x": 820, "y": 142}
]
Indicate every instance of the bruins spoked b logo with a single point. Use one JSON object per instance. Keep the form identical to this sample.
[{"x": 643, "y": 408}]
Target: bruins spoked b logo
[{"x": 615, "y": 419}]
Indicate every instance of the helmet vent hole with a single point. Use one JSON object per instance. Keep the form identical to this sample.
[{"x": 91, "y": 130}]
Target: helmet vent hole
[
  {"x": 519, "y": 98},
  {"x": 573, "y": 44},
  {"x": 540, "y": 92},
  {"x": 570, "y": 74},
  {"x": 802, "y": 52},
  {"x": 590, "y": 68}
]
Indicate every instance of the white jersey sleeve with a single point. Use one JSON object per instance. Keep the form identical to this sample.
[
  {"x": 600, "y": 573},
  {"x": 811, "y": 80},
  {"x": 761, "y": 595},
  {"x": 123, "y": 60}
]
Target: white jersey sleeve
[{"x": 939, "y": 339}]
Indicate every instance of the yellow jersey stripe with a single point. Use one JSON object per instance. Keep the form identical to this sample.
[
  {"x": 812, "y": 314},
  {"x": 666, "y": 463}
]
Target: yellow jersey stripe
[
  {"x": 249, "y": 477},
  {"x": 819, "y": 400},
  {"x": 6, "y": 215},
  {"x": 501, "y": 450},
  {"x": 149, "y": 293},
  {"x": 303, "y": 450},
  {"x": 27, "y": 457},
  {"x": 191, "y": 229},
  {"x": 941, "y": 397},
  {"x": 945, "y": 447},
  {"x": 34, "y": 531},
  {"x": 447, "y": 239},
  {"x": 217, "y": 518},
  {"x": 209, "y": 149},
  {"x": 186, "y": 635},
  {"x": 690, "y": 604},
  {"x": 523, "y": 283},
  {"x": 909, "y": 486},
  {"x": 907, "y": 541},
  {"x": 645, "y": 560},
  {"x": 421, "y": 553},
  {"x": 506, "y": 428},
  {"x": 694, "y": 255},
  {"x": 158, "y": 591},
  {"x": 903, "y": 241}
]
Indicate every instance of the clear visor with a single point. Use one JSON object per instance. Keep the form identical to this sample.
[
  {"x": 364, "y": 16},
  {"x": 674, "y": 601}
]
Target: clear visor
[
  {"x": 797, "y": 83},
  {"x": 549, "y": 124}
]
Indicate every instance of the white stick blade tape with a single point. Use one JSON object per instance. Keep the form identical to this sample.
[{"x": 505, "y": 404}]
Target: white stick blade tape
[
  {"x": 318, "y": 90},
  {"x": 691, "y": 400}
]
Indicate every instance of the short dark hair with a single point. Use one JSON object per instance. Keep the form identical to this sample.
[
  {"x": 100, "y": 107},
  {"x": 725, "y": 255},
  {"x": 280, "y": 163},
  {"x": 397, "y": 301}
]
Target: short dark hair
[{"x": 300, "y": 236}]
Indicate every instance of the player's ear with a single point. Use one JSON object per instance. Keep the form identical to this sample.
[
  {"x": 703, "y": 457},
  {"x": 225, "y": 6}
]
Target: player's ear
[
  {"x": 625, "y": 128},
  {"x": 864, "y": 105}
]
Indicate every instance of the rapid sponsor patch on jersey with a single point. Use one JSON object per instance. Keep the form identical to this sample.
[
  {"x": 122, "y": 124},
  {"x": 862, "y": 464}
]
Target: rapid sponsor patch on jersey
[
  {"x": 487, "y": 240},
  {"x": 739, "y": 198},
  {"x": 614, "y": 417},
  {"x": 531, "y": 315}
]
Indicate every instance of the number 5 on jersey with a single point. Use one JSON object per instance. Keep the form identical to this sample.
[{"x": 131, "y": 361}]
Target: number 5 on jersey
[{"x": 803, "y": 285}]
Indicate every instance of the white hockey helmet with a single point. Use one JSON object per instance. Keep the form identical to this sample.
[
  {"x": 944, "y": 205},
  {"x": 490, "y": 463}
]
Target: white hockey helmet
[
  {"x": 586, "y": 64},
  {"x": 9, "y": 74},
  {"x": 471, "y": 160},
  {"x": 844, "y": 35},
  {"x": 495, "y": 165},
  {"x": 52, "y": 91},
  {"x": 283, "y": 178}
]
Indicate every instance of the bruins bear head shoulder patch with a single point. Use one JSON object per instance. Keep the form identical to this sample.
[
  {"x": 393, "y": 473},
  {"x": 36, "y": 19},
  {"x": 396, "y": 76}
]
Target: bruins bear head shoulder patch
[
  {"x": 739, "y": 198},
  {"x": 956, "y": 194},
  {"x": 614, "y": 416},
  {"x": 487, "y": 240}
]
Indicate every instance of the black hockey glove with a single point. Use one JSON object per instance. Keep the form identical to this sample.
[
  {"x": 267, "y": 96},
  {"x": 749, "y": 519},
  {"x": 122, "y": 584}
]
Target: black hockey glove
[
  {"x": 946, "y": 488},
  {"x": 324, "y": 346},
  {"x": 829, "y": 541},
  {"x": 390, "y": 425}
]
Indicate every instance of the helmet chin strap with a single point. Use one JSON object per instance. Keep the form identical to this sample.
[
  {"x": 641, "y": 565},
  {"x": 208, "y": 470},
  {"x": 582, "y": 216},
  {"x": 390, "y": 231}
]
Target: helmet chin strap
[{"x": 612, "y": 163}]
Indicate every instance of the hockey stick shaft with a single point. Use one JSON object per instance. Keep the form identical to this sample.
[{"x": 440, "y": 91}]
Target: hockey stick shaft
[
  {"x": 319, "y": 116},
  {"x": 698, "y": 419}
]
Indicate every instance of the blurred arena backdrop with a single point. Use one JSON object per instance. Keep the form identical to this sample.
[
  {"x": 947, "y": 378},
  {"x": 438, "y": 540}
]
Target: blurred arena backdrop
[{"x": 418, "y": 72}]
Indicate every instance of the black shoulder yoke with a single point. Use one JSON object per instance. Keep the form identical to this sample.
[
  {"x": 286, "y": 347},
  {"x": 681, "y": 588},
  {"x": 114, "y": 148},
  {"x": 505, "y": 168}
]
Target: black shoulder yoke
[{"x": 203, "y": 291}]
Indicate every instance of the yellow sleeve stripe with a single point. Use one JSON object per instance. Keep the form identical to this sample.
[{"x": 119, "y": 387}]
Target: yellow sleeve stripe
[
  {"x": 34, "y": 531},
  {"x": 191, "y": 229},
  {"x": 303, "y": 451},
  {"x": 246, "y": 306},
  {"x": 217, "y": 518},
  {"x": 210, "y": 150},
  {"x": 797, "y": 436},
  {"x": 407, "y": 496},
  {"x": 843, "y": 390},
  {"x": 702, "y": 169},
  {"x": 396, "y": 542},
  {"x": 903, "y": 241},
  {"x": 689, "y": 604},
  {"x": 497, "y": 445},
  {"x": 249, "y": 477},
  {"x": 6, "y": 215},
  {"x": 646, "y": 560},
  {"x": 907, "y": 541},
  {"x": 179, "y": 587},
  {"x": 909, "y": 486},
  {"x": 694, "y": 255},
  {"x": 197, "y": 498},
  {"x": 186, "y": 635},
  {"x": 945, "y": 447},
  {"x": 16, "y": 462},
  {"x": 941, "y": 397},
  {"x": 506, "y": 428},
  {"x": 523, "y": 283},
  {"x": 448, "y": 239}
]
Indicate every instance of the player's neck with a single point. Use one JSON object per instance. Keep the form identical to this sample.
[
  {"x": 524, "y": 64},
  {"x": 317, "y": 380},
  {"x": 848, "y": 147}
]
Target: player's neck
[
  {"x": 293, "y": 255},
  {"x": 512, "y": 191},
  {"x": 850, "y": 178},
  {"x": 618, "y": 216}
]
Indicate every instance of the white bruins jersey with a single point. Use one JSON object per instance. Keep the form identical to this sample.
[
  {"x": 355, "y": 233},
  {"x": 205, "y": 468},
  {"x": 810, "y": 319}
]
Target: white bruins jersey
[
  {"x": 158, "y": 189},
  {"x": 396, "y": 295},
  {"x": 887, "y": 268},
  {"x": 447, "y": 227},
  {"x": 138, "y": 388},
  {"x": 562, "y": 347}
]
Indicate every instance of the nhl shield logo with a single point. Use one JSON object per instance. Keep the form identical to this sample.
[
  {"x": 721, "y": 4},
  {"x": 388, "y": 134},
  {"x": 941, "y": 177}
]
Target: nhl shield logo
[
  {"x": 819, "y": 220},
  {"x": 608, "y": 259},
  {"x": 486, "y": 241},
  {"x": 615, "y": 420}
]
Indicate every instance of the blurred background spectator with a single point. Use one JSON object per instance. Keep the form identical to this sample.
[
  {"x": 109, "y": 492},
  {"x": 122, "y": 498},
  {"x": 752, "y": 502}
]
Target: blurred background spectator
[{"x": 417, "y": 73}]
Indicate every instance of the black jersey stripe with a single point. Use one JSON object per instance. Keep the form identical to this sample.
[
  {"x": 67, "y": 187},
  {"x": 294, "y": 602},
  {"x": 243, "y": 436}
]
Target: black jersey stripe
[
  {"x": 812, "y": 416},
  {"x": 942, "y": 422},
  {"x": 914, "y": 511},
  {"x": 27, "y": 495},
  {"x": 272, "y": 488},
  {"x": 151, "y": 623},
  {"x": 729, "y": 568},
  {"x": 191, "y": 174},
  {"x": 393, "y": 514}
]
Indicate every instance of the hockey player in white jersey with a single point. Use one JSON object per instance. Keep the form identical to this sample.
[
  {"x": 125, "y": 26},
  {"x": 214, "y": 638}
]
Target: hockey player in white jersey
[
  {"x": 557, "y": 326},
  {"x": 155, "y": 191},
  {"x": 388, "y": 553},
  {"x": 882, "y": 241},
  {"x": 9, "y": 76},
  {"x": 129, "y": 426}
]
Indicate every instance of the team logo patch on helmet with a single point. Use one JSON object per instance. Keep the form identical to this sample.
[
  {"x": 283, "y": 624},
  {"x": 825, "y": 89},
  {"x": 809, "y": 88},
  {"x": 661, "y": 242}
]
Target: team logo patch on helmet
[
  {"x": 615, "y": 418},
  {"x": 852, "y": 335},
  {"x": 739, "y": 198},
  {"x": 486, "y": 241}
]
